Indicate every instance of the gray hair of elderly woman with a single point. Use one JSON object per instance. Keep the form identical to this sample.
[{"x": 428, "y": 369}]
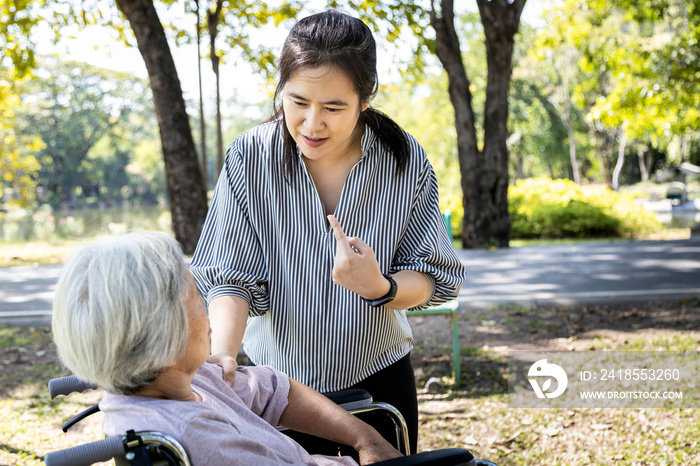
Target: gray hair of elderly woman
[{"x": 119, "y": 316}]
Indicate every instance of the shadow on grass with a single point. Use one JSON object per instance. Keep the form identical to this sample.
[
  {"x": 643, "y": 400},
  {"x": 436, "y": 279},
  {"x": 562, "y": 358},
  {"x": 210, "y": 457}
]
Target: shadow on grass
[
  {"x": 483, "y": 373},
  {"x": 16, "y": 451},
  {"x": 27, "y": 358}
]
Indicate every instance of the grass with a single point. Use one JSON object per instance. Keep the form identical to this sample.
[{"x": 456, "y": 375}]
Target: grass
[
  {"x": 473, "y": 414},
  {"x": 482, "y": 421},
  {"x": 665, "y": 234},
  {"x": 31, "y": 421},
  {"x": 35, "y": 253},
  {"x": 672, "y": 342}
]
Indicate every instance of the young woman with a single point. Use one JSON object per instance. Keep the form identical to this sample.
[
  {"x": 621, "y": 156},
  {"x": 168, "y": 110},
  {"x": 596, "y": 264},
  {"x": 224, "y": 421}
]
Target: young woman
[{"x": 324, "y": 227}]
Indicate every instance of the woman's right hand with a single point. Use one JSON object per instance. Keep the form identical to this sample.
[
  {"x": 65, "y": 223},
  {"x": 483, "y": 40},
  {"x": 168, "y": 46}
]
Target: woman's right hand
[
  {"x": 227, "y": 362},
  {"x": 227, "y": 318}
]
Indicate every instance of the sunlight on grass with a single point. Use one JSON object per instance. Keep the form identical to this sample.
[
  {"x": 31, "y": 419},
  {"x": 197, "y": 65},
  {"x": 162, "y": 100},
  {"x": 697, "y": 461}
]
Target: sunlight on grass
[
  {"x": 671, "y": 342},
  {"x": 472, "y": 415},
  {"x": 32, "y": 422},
  {"x": 561, "y": 437},
  {"x": 667, "y": 234},
  {"x": 37, "y": 253},
  {"x": 491, "y": 430}
]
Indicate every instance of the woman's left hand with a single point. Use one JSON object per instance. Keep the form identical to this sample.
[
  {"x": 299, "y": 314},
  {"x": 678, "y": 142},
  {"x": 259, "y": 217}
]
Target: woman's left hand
[{"x": 355, "y": 266}]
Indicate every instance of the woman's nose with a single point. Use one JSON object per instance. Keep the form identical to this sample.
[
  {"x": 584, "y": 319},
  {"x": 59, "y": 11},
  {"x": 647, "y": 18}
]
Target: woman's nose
[{"x": 313, "y": 120}]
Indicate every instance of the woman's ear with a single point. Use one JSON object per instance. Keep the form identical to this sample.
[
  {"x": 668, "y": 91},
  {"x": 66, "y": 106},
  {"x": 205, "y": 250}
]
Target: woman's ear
[{"x": 365, "y": 105}]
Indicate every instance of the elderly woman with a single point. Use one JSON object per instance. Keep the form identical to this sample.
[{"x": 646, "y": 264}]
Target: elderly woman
[{"x": 128, "y": 317}]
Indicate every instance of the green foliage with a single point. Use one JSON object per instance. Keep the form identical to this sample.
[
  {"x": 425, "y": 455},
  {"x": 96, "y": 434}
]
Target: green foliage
[
  {"x": 426, "y": 113},
  {"x": 232, "y": 28},
  {"x": 545, "y": 208},
  {"x": 17, "y": 18},
  {"x": 91, "y": 122},
  {"x": 18, "y": 171},
  {"x": 638, "y": 62}
]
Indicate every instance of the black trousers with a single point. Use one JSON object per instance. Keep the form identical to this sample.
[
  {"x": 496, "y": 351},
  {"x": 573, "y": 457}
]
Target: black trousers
[{"x": 395, "y": 385}]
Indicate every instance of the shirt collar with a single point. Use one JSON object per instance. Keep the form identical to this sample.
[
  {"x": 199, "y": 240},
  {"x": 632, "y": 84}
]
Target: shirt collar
[{"x": 367, "y": 140}]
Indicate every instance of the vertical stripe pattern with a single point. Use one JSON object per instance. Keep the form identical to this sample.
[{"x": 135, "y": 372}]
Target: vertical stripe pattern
[{"x": 269, "y": 242}]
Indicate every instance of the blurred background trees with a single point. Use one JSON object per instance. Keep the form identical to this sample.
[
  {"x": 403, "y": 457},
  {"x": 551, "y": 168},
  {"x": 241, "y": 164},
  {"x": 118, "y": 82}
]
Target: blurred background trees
[{"x": 601, "y": 93}]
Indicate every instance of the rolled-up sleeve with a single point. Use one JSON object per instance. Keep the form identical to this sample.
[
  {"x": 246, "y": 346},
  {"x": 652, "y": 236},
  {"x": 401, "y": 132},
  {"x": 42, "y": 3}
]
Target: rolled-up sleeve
[
  {"x": 228, "y": 260},
  {"x": 425, "y": 245}
]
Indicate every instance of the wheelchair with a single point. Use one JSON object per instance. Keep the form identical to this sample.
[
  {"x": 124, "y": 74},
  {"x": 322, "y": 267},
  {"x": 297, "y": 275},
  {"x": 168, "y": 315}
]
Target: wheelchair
[{"x": 148, "y": 448}]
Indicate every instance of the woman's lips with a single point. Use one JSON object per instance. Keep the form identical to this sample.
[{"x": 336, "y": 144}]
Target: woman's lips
[{"x": 314, "y": 142}]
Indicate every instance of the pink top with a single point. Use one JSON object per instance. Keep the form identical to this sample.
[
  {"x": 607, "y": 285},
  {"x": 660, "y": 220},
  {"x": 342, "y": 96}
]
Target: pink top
[{"x": 232, "y": 425}]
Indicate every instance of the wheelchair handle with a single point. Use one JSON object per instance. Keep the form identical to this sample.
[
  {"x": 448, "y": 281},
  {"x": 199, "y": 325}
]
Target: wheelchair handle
[
  {"x": 87, "y": 454},
  {"x": 68, "y": 385}
]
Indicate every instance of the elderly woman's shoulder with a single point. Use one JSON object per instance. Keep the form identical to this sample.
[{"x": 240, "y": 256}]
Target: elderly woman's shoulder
[
  {"x": 248, "y": 380},
  {"x": 210, "y": 371}
]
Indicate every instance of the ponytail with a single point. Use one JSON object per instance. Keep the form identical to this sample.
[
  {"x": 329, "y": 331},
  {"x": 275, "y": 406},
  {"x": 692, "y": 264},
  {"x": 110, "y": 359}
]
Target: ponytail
[{"x": 390, "y": 134}]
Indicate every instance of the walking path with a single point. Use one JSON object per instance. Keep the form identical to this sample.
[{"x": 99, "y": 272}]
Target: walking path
[
  {"x": 582, "y": 274},
  {"x": 573, "y": 274}
]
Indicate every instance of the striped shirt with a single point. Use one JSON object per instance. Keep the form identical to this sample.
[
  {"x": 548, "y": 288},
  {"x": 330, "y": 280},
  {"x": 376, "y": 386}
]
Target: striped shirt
[{"x": 268, "y": 242}]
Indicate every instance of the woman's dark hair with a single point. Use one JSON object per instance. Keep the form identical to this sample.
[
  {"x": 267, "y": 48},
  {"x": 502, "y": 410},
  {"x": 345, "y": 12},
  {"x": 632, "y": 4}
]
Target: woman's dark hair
[{"x": 346, "y": 43}]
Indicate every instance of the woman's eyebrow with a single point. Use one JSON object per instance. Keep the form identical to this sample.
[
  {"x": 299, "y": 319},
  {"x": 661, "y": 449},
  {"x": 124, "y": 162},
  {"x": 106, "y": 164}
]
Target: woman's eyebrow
[{"x": 338, "y": 103}]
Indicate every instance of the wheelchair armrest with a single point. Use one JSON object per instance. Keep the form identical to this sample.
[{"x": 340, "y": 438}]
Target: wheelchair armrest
[
  {"x": 80, "y": 416},
  {"x": 445, "y": 457},
  {"x": 350, "y": 399},
  {"x": 68, "y": 385}
]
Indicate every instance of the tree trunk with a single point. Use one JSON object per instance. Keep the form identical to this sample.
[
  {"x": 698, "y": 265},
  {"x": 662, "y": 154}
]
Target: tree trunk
[
  {"x": 620, "y": 160},
  {"x": 202, "y": 123},
  {"x": 684, "y": 155},
  {"x": 569, "y": 60},
  {"x": 518, "y": 165},
  {"x": 643, "y": 168},
  {"x": 650, "y": 158},
  {"x": 188, "y": 198},
  {"x": 501, "y": 19},
  {"x": 213, "y": 25},
  {"x": 602, "y": 150},
  {"x": 575, "y": 170},
  {"x": 565, "y": 117},
  {"x": 484, "y": 174}
]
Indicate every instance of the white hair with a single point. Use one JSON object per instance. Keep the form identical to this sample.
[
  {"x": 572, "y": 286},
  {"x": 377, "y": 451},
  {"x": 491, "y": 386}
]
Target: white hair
[{"x": 118, "y": 314}]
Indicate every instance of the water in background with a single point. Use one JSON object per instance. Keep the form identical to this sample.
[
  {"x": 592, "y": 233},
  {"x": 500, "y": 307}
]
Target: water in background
[{"x": 47, "y": 225}]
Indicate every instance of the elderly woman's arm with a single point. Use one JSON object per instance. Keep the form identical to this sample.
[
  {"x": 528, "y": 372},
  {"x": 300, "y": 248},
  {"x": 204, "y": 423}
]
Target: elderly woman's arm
[{"x": 312, "y": 413}]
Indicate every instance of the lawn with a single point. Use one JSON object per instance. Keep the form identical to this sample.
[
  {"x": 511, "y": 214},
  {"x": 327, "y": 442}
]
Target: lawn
[{"x": 473, "y": 414}]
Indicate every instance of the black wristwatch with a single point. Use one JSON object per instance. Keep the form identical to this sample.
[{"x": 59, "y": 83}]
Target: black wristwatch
[{"x": 387, "y": 298}]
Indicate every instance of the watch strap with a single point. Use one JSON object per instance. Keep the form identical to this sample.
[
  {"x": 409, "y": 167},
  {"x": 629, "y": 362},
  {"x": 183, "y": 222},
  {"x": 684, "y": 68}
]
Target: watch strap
[{"x": 387, "y": 298}]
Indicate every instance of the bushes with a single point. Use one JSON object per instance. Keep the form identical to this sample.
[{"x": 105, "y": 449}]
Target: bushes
[{"x": 545, "y": 208}]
